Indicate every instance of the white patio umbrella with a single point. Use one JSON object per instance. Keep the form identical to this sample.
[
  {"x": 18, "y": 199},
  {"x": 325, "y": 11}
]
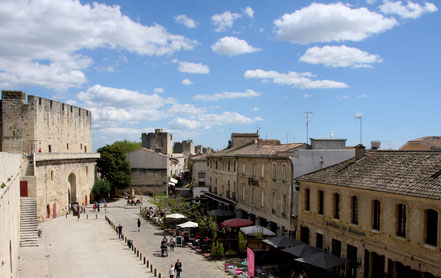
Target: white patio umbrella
[
  {"x": 189, "y": 224},
  {"x": 175, "y": 216}
]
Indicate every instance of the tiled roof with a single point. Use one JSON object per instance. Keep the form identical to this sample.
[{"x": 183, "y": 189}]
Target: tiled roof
[
  {"x": 263, "y": 148},
  {"x": 431, "y": 142},
  {"x": 411, "y": 173}
]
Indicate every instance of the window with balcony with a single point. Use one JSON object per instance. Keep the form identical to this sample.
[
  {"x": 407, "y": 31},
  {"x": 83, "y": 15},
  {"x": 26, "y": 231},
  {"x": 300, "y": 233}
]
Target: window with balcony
[
  {"x": 263, "y": 170},
  {"x": 273, "y": 202},
  {"x": 284, "y": 172},
  {"x": 354, "y": 210},
  {"x": 283, "y": 207},
  {"x": 401, "y": 220},
  {"x": 243, "y": 168},
  {"x": 262, "y": 198},
  {"x": 243, "y": 192},
  {"x": 376, "y": 214},
  {"x": 228, "y": 166},
  {"x": 321, "y": 196}
]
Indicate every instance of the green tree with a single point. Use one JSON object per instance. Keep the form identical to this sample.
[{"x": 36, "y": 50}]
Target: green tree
[
  {"x": 114, "y": 167},
  {"x": 127, "y": 146},
  {"x": 101, "y": 188}
]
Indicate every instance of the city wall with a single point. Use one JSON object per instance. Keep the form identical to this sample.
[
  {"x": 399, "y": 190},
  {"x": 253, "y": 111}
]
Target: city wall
[{"x": 9, "y": 214}]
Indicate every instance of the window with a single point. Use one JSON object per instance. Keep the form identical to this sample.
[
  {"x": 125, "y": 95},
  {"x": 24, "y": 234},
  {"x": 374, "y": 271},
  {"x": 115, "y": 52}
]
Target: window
[
  {"x": 273, "y": 202},
  {"x": 216, "y": 164},
  {"x": 228, "y": 189},
  {"x": 337, "y": 206},
  {"x": 228, "y": 166},
  {"x": 262, "y": 198},
  {"x": 234, "y": 168},
  {"x": 376, "y": 213},
  {"x": 62, "y": 106},
  {"x": 81, "y": 146},
  {"x": 253, "y": 196},
  {"x": 52, "y": 175},
  {"x": 85, "y": 149},
  {"x": 304, "y": 234},
  {"x": 211, "y": 181},
  {"x": 307, "y": 199},
  {"x": 263, "y": 170},
  {"x": 215, "y": 186},
  {"x": 87, "y": 170},
  {"x": 432, "y": 227},
  {"x": 254, "y": 169},
  {"x": 336, "y": 247},
  {"x": 401, "y": 220},
  {"x": 243, "y": 168},
  {"x": 284, "y": 172},
  {"x": 354, "y": 210},
  {"x": 67, "y": 146},
  {"x": 243, "y": 192},
  {"x": 50, "y": 104},
  {"x": 283, "y": 204},
  {"x": 319, "y": 240},
  {"x": 222, "y": 191},
  {"x": 201, "y": 175},
  {"x": 50, "y": 148},
  {"x": 274, "y": 171},
  {"x": 321, "y": 196}
]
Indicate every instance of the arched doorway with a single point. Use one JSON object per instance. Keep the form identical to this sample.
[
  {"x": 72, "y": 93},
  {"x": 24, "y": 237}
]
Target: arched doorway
[{"x": 72, "y": 190}]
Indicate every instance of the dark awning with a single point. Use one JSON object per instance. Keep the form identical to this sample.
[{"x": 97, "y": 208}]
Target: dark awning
[{"x": 219, "y": 198}]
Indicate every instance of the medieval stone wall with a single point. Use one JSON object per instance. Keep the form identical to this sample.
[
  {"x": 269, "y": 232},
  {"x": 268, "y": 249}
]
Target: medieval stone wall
[
  {"x": 146, "y": 181},
  {"x": 9, "y": 214}
]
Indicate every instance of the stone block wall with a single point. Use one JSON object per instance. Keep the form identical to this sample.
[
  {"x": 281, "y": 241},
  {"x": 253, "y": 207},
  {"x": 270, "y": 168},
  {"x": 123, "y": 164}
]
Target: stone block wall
[
  {"x": 53, "y": 181},
  {"x": 9, "y": 214},
  {"x": 146, "y": 181}
]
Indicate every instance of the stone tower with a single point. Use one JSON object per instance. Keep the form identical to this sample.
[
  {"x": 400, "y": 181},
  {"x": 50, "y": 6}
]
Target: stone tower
[{"x": 159, "y": 141}]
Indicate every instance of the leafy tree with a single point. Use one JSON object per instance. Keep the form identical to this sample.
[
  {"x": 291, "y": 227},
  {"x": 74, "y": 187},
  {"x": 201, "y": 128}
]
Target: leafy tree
[
  {"x": 101, "y": 188},
  {"x": 127, "y": 146},
  {"x": 242, "y": 242},
  {"x": 114, "y": 167}
]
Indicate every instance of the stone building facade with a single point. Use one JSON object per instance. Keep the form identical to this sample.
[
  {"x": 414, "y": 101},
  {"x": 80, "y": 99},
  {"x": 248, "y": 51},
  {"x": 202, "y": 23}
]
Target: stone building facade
[
  {"x": 55, "y": 140},
  {"x": 9, "y": 213},
  {"x": 380, "y": 211},
  {"x": 159, "y": 141},
  {"x": 185, "y": 147}
]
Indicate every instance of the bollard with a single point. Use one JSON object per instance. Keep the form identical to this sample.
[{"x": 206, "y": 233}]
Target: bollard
[
  {"x": 87, "y": 216},
  {"x": 159, "y": 275},
  {"x": 96, "y": 216},
  {"x": 148, "y": 263},
  {"x": 134, "y": 250},
  {"x": 125, "y": 239},
  {"x": 151, "y": 268},
  {"x": 137, "y": 253},
  {"x": 154, "y": 274},
  {"x": 144, "y": 260},
  {"x": 140, "y": 256}
]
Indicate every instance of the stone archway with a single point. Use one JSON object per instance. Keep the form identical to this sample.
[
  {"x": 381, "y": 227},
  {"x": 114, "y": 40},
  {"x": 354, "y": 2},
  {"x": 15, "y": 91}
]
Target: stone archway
[{"x": 72, "y": 190}]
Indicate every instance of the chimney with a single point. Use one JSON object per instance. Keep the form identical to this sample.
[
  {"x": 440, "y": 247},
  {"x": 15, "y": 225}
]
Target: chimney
[
  {"x": 375, "y": 145},
  {"x": 360, "y": 151}
]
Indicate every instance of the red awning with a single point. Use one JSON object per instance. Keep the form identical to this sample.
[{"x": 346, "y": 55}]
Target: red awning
[{"x": 237, "y": 223}]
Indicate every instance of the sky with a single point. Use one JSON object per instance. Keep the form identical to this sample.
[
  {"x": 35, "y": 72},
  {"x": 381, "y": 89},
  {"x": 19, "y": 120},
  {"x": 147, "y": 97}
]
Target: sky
[{"x": 203, "y": 69}]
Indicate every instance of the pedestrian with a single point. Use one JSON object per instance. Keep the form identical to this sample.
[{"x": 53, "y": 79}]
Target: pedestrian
[
  {"x": 172, "y": 244},
  {"x": 98, "y": 207},
  {"x": 171, "y": 271},
  {"x": 164, "y": 252},
  {"x": 119, "y": 229},
  {"x": 178, "y": 268},
  {"x": 78, "y": 215},
  {"x": 139, "y": 225}
]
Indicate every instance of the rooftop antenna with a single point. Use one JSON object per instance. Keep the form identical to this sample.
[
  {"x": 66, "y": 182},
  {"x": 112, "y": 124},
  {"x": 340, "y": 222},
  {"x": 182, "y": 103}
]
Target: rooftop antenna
[
  {"x": 287, "y": 134},
  {"x": 358, "y": 115},
  {"x": 308, "y": 118},
  {"x": 258, "y": 129}
]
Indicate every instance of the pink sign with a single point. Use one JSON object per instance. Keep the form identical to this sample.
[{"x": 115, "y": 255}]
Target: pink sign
[{"x": 250, "y": 259}]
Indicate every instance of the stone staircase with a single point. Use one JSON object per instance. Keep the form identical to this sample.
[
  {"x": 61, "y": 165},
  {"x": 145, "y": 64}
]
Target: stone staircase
[{"x": 28, "y": 222}]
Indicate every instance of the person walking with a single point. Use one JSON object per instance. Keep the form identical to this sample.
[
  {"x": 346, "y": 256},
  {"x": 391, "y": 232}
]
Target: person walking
[
  {"x": 172, "y": 244},
  {"x": 171, "y": 271},
  {"x": 119, "y": 229},
  {"x": 178, "y": 268},
  {"x": 139, "y": 225}
]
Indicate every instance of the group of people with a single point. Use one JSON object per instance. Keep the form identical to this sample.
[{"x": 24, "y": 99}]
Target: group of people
[
  {"x": 176, "y": 268},
  {"x": 302, "y": 274},
  {"x": 164, "y": 247}
]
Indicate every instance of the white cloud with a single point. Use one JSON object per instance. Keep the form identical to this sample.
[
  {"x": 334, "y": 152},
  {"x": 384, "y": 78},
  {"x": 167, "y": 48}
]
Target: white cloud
[
  {"x": 249, "y": 12},
  {"x": 158, "y": 90},
  {"x": 299, "y": 80},
  {"x": 224, "y": 21},
  {"x": 207, "y": 121},
  {"x": 255, "y": 109},
  {"x": 41, "y": 43},
  {"x": 188, "y": 67},
  {"x": 332, "y": 22},
  {"x": 363, "y": 96},
  {"x": 232, "y": 46},
  {"x": 186, "y": 21},
  {"x": 186, "y": 82},
  {"x": 227, "y": 95},
  {"x": 410, "y": 10},
  {"x": 307, "y": 95},
  {"x": 371, "y": 2},
  {"x": 339, "y": 56}
]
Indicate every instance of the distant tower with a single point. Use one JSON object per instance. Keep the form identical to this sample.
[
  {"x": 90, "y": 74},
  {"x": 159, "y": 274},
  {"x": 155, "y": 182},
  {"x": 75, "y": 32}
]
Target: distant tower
[{"x": 159, "y": 141}]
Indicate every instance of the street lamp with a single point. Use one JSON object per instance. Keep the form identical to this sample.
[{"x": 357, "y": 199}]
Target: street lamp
[{"x": 360, "y": 116}]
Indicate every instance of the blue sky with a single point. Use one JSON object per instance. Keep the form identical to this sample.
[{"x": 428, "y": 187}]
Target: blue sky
[{"x": 200, "y": 69}]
